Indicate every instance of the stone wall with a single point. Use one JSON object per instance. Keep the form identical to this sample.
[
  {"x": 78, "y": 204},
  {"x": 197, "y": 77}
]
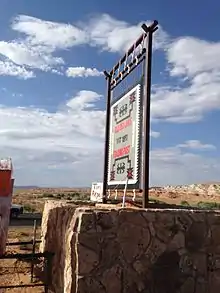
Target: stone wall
[
  {"x": 127, "y": 250},
  {"x": 55, "y": 224}
]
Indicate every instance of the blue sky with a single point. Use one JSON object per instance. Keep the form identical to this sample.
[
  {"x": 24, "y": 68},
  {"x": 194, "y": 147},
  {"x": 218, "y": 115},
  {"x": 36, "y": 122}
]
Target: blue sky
[{"x": 52, "y": 91}]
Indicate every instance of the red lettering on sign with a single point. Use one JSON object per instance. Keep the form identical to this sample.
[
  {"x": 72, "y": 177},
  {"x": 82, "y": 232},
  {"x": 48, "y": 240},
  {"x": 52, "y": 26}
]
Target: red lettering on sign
[
  {"x": 121, "y": 152},
  {"x": 123, "y": 125}
]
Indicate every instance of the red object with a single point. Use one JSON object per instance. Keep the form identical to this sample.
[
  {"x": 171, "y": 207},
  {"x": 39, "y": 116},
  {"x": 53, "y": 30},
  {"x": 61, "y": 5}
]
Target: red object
[
  {"x": 6, "y": 181},
  {"x": 121, "y": 152},
  {"x": 123, "y": 125}
]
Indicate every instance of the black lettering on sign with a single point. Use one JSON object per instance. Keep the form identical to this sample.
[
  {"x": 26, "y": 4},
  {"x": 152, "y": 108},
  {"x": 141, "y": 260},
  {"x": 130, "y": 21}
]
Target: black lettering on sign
[
  {"x": 124, "y": 138},
  {"x": 118, "y": 140},
  {"x": 123, "y": 110},
  {"x": 115, "y": 110},
  {"x": 120, "y": 168}
]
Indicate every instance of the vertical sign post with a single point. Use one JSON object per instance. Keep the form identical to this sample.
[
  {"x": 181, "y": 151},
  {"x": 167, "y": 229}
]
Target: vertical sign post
[
  {"x": 147, "y": 99},
  {"x": 107, "y": 129}
]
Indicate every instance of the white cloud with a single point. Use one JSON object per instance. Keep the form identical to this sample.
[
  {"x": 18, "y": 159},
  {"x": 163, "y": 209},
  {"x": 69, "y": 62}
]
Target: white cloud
[
  {"x": 66, "y": 147},
  {"x": 72, "y": 123},
  {"x": 155, "y": 134},
  {"x": 61, "y": 148},
  {"x": 101, "y": 30},
  {"x": 47, "y": 33},
  {"x": 82, "y": 72},
  {"x": 50, "y": 143},
  {"x": 26, "y": 55},
  {"x": 77, "y": 160},
  {"x": 196, "y": 145},
  {"x": 196, "y": 63},
  {"x": 9, "y": 68},
  {"x": 175, "y": 166},
  {"x": 195, "y": 60},
  {"x": 83, "y": 100},
  {"x": 39, "y": 41},
  {"x": 190, "y": 56},
  {"x": 116, "y": 35}
]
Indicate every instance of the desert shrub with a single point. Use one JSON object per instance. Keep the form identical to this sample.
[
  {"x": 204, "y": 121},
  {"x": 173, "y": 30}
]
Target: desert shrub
[
  {"x": 68, "y": 197},
  {"x": 84, "y": 196},
  {"x": 78, "y": 196},
  {"x": 185, "y": 203},
  {"x": 29, "y": 209},
  {"x": 208, "y": 205},
  {"x": 59, "y": 195},
  {"x": 48, "y": 195},
  {"x": 156, "y": 201},
  {"x": 45, "y": 195}
]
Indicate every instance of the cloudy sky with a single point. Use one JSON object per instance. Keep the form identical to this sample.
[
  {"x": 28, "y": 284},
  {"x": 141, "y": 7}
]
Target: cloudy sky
[{"x": 52, "y": 90}]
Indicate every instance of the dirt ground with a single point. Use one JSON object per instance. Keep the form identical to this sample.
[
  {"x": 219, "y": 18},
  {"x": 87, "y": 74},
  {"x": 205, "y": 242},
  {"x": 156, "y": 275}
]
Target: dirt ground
[
  {"x": 14, "y": 272},
  {"x": 33, "y": 199}
]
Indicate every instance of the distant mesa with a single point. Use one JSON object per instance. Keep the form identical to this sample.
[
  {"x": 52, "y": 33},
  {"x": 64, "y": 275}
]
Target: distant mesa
[{"x": 26, "y": 187}]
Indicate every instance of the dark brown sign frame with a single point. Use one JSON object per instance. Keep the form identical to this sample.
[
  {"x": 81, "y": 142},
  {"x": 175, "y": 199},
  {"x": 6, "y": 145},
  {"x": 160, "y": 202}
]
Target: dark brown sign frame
[{"x": 113, "y": 80}]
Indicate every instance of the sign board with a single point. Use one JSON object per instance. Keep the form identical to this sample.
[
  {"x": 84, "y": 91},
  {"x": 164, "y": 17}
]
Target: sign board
[
  {"x": 124, "y": 146},
  {"x": 96, "y": 192}
]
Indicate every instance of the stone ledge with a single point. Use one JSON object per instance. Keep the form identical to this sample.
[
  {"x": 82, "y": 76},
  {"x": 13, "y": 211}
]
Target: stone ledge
[{"x": 130, "y": 250}]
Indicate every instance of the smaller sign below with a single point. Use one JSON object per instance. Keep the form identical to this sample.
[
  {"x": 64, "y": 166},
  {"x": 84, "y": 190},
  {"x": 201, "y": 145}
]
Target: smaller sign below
[{"x": 96, "y": 192}]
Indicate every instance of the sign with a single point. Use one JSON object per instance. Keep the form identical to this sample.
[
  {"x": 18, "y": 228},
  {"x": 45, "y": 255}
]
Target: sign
[
  {"x": 96, "y": 192},
  {"x": 124, "y": 146}
]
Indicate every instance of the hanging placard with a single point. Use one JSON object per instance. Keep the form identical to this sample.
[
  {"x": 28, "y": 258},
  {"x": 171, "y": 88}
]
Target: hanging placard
[
  {"x": 96, "y": 192},
  {"x": 124, "y": 146}
]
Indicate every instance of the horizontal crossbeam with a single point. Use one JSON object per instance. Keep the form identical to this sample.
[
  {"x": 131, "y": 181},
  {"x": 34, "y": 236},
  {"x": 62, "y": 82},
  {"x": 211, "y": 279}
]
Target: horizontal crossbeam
[
  {"x": 151, "y": 28},
  {"x": 22, "y": 286},
  {"x": 22, "y": 243},
  {"x": 126, "y": 72},
  {"x": 27, "y": 255}
]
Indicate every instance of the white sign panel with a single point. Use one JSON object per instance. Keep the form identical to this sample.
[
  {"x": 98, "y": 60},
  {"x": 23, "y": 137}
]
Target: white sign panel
[
  {"x": 124, "y": 147},
  {"x": 96, "y": 192}
]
